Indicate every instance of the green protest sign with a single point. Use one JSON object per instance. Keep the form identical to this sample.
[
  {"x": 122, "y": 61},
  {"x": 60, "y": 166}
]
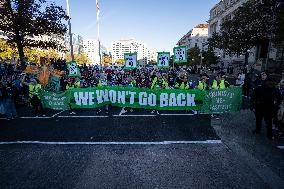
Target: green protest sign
[
  {"x": 163, "y": 60},
  {"x": 221, "y": 101},
  {"x": 73, "y": 69},
  {"x": 180, "y": 54},
  {"x": 55, "y": 101},
  {"x": 130, "y": 60}
]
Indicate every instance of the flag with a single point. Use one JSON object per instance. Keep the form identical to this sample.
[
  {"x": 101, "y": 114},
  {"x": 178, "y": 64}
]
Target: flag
[{"x": 98, "y": 9}]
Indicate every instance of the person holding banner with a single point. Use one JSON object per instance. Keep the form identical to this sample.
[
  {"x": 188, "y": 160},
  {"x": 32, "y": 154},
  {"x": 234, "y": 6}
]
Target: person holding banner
[
  {"x": 102, "y": 81},
  {"x": 202, "y": 84},
  {"x": 182, "y": 81},
  {"x": 34, "y": 94},
  {"x": 220, "y": 82}
]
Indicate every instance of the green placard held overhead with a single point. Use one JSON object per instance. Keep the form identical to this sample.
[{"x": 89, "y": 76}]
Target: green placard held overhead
[
  {"x": 130, "y": 60},
  {"x": 180, "y": 55},
  {"x": 73, "y": 69},
  {"x": 163, "y": 60}
]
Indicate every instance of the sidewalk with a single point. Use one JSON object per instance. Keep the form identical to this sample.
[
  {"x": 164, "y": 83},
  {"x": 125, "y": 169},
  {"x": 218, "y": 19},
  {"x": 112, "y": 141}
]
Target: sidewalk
[{"x": 235, "y": 131}]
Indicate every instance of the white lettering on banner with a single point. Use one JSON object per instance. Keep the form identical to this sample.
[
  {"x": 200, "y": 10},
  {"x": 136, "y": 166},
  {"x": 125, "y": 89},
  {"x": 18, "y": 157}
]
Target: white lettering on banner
[
  {"x": 76, "y": 96},
  {"x": 143, "y": 99},
  {"x": 164, "y": 97},
  {"x": 181, "y": 99},
  {"x": 102, "y": 96},
  {"x": 152, "y": 99},
  {"x": 83, "y": 98},
  {"x": 190, "y": 100},
  {"x": 220, "y": 94},
  {"x": 132, "y": 97},
  {"x": 112, "y": 96},
  {"x": 121, "y": 97},
  {"x": 91, "y": 98},
  {"x": 172, "y": 100}
]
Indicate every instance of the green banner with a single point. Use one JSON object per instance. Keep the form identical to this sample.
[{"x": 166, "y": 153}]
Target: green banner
[
  {"x": 221, "y": 101},
  {"x": 56, "y": 101},
  {"x": 213, "y": 101},
  {"x": 137, "y": 98}
]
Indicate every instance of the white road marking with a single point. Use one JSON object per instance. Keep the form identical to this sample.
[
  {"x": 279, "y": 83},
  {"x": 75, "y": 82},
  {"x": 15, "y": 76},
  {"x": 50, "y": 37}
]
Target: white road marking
[
  {"x": 58, "y": 113},
  {"x": 134, "y": 115},
  {"x": 177, "y": 114},
  {"x": 82, "y": 116},
  {"x": 280, "y": 147},
  {"x": 35, "y": 117},
  {"x": 115, "y": 143},
  {"x": 4, "y": 118}
]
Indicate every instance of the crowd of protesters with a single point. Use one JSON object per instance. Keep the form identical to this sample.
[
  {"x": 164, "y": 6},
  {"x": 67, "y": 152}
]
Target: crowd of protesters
[{"x": 17, "y": 88}]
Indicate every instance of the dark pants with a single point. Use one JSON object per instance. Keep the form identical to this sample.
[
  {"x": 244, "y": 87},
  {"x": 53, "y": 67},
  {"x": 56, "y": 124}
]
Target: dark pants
[
  {"x": 38, "y": 108},
  {"x": 266, "y": 114}
]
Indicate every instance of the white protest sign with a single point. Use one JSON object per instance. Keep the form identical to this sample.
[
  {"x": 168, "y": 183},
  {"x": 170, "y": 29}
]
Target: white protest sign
[
  {"x": 130, "y": 60},
  {"x": 163, "y": 59},
  {"x": 180, "y": 54}
]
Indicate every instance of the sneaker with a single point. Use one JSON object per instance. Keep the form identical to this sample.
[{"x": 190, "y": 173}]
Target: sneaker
[
  {"x": 153, "y": 111},
  {"x": 123, "y": 111},
  {"x": 131, "y": 110},
  {"x": 43, "y": 115},
  {"x": 98, "y": 111},
  {"x": 157, "y": 112},
  {"x": 106, "y": 111}
]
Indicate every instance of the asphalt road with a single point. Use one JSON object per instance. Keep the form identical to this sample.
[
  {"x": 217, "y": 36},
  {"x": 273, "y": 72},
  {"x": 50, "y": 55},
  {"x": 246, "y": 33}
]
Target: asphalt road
[{"x": 87, "y": 150}]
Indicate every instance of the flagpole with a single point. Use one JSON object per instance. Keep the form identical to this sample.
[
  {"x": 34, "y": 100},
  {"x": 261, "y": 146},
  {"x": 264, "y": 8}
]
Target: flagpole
[
  {"x": 98, "y": 26},
  {"x": 70, "y": 32}
]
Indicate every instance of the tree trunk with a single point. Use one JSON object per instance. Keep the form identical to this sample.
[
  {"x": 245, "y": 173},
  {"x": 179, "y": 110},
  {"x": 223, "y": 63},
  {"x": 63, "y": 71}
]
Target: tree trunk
[{"x": 21, "y": 54}]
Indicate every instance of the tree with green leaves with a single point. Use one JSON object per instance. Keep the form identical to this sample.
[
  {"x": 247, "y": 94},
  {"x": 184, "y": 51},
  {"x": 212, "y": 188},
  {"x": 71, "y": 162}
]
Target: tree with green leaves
[
  {"x": 253, "y": 24},
  {"x": 194, "y": 55},
  {"x": 32, "y": 23},
  {"x": 210, "y": 57}
]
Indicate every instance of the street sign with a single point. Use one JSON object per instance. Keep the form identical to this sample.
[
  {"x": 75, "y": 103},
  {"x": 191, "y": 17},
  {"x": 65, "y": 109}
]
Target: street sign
[
  {"x": 130, "y": 60},
  {"x": 163, "y": 60},
  {"x": 180, "y": 54}
]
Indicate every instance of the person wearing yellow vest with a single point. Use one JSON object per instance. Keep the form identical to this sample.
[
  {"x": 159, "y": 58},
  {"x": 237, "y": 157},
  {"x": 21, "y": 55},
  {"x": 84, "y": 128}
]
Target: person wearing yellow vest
[
  {"x": 202, "y": 85},
  {"x": 220, "y": 83},
  {"x": 182, "y": 82},
  {"x": 165, "y": 84},
  {"x": 155, "y": 83},
  {"x": 77, "y": 83},
  {"x": 223, "y": 83},
  {"x": 71, "y": 86},
  {"x": 34, "y": 94},
  {"x": 101, "y": 81},
  {"x": 215, "y": 84}
]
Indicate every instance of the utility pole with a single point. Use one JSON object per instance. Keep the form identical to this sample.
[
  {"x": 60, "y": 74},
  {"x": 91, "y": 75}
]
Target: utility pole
[{"x": 70, "y": 32}]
